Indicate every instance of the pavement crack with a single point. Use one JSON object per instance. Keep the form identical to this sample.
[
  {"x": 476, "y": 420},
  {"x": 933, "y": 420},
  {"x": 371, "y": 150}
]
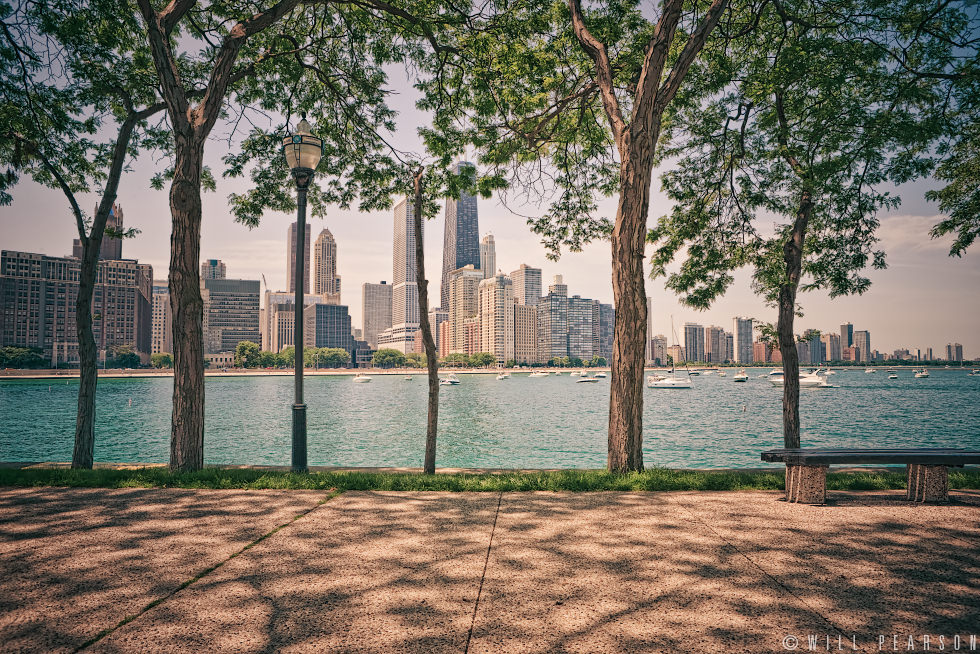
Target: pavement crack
[
  {"x": 765, "y": 572},
  {"x": 204, "y": 573},
  {"x": 486, "y": 562}
]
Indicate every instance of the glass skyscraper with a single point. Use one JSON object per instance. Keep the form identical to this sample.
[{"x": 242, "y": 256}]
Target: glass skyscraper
[{"x": 461, "y": 244}]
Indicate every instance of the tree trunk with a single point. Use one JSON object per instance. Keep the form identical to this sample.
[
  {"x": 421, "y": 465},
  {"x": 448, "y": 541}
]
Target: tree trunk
[
  {"x": 88, "y": 365},
  {"x": 187, "y": 429},
  {"x": 431, "y": 356},
  {"x": 793, "y": 260},
  {"x": 625, "y": 434}
]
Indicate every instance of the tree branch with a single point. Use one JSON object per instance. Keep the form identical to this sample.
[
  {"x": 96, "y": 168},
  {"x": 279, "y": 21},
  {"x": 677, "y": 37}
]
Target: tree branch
[
  {"x": 691, "y": 49},
  {"x": 596, "y": 49},
  {"x": 171, "y": 85}
]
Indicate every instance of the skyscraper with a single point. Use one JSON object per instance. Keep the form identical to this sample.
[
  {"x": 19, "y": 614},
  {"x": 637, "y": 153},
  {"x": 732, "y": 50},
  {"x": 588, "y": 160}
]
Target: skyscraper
[
  {"x": 328, "y": 325},
  {"x": 714, "y": 344},
  {"x": 375, "y": 311},
  {"x": 862, "y": 341},
  {"x": 405, "y": 292},
  {"x": 232, "y": 313},
  {"x": 831, "y": 346},
  {"x": 694, "y": 342},
  {"x": 213, "y": 269},
  {"x": 846, "y": 335},
  {"x": 603, "y": 316},
  {"x": 291, "y": 259},
  {"x": 553, "y": 325},
  {"x": 580, "y": 330},
  {"x": 527, "y": 285},
  {"x": 461, "y": 242},
  {"x": 525, "y": 333},
  {"x": 647, "y": 342},
  {"x": 954, "y": 352},
  {"x": 464, "y": 303},
  {"x": 488, "y": 256},
  {"x": 497, "y": 317},
  {"x": 558, "y": 286},
  {"x": 111, "y": 248},
  {"x": 326, "y": 281},
  {"x": 742, "y": 335},
  {"x": 162, "y": 326}
]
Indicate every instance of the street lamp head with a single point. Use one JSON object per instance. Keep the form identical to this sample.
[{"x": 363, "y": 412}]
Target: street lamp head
[{"x": 302, "y": 150}]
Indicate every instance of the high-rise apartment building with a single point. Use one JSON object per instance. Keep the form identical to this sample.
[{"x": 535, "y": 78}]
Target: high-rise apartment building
[
  {"x": 326, "y": 281},
  {"x": 580, "y": 330},
  {"x": 846, "y": 335},
  {"x": 461, "y": 241},
  {"x": 742, "y": 334},
  {"x": 232, "y": 313},
  {"x": 815, "y": 344},
  {"x": 161, "y": 339},
  {"x": 525, "y": 333},
  {"x": 111, "y": 248},
  {"x": 927, "y": 355},
  {"x": 375, "y": 311},
  {"x": 603, "y": 318},
  {"x": 761, "y": 352},
  {"x": 488, "y": 256},
  {"x": 694, "y": 342},
  {"x": 715, "y": 346},
  {"x": 862, "y": 341},
  {"x": 659, "y": 346},
  {"x": 213, "y": 269},
  {"x": 954, "y": 352},
  {"x": 831, "y": 346},
  {"x": 464, "y": 303},
  {"x": 437, "y": 316},
  {"x": 278, "y": 318},
  {"x": 558, "y": 286},
  {"x": 37, "y": 305},
  {"x": 527, "y": 284},
  {"x": 496, "y": 297},
  {"x": 405, "y": 291},
  {"x": 729, "y": 346},
  {"x": 676, "y": 354},
  {"x": 553, "y": 324},
  {"x": 291, "y": 259}
]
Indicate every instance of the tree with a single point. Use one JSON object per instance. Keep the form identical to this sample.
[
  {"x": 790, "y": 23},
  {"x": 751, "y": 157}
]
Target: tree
[
  {"x": 76, "y": 101},
  {"x": 286, "y": 358},
  {"x": 807, "y": 120},
  {"x": 456, "y": 360},
  {"x": 511, "y": 363},
  {"x": 334, "y": 357},
  {"x": 555, "y": 92},
  {"x": 482, "y": 359},
  {"x": 247, "y": 354},
  {"x": 162, "y": 360},
  {"x": 388, "y": 358},
  {"x": 415, "y": 360},
  {"x": 123, "y": 356},
  {"x": 23, "y": 357}
]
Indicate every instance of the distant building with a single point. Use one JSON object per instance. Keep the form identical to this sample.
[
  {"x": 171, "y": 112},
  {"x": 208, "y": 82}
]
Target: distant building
[
  {"x": 580, "y": 330},
  {"x": 464, "y": 303},
  {"x": 862, "y": 341},
  {"x": 603, "y": 323},
  {"x": 729, "y": 346},
  {"x": 291, "y": 258},
  {"x": 496, "y": 311},
  {"x": 831, "y": 346},
  {"x": 658, "y": 344},
  {"x": 846, "y": 335},
  {"x": 694, "y": 342},
  {"x": 761, "y": 352},
  {"x": 954, "y": 352},
  {"x": 553, "y": 324},
  {"x": 279, "y": 318},
  {"x": 849, "y": 354},
  {"x": 715, "y": 345},
  {"x": 558, "y": 286},
  {"x": 525, "y": 333},
  {"x": 328, "y": 325},
  {"x": 232, "y": 313},
  {"x": 472, "y": 333},
  {"x": 928, "y": 355},
  {"x": 326, "y": 281},
  {"x": 436, "y": 318},
  {"x": 111, "y": 248},
  {"x": 527, "y": 284},
  {"x": 815, "y": 347},
  {"x": 213, "y": 269},
  {"x": 461, "y": 240},
  {"x": 676, "y": 354},
  {"x": 405, "y": 292},
  {"x": 162, "y": 322},
  {"x": 742, "y": 335},
  {"x": 488, "y": 256},
  {"x": 648, "y": 351},
  {"x": 375, "y": 311},
  {"x": 37, "y": 305}
]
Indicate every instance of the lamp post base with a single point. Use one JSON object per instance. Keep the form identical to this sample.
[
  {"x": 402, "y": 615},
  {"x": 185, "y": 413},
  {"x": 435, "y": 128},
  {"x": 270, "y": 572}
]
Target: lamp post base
[{"x": 299, "y": 438}]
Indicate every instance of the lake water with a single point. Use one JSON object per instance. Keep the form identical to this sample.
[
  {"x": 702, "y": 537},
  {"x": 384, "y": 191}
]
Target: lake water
[{"x": 516, "y": 423}]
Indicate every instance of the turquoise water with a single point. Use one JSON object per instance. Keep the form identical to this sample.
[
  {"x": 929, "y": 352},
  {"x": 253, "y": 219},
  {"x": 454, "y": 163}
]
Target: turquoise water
[{"x": 520, "y": 422}]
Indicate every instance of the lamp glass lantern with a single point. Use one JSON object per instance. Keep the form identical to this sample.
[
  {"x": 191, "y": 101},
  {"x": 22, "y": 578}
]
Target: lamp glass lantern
[{"x": 302, "y": 150}]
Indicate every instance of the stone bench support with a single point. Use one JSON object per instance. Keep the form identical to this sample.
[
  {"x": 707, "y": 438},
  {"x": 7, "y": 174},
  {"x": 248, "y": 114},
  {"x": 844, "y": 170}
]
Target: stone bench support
[
  {"x": 927, "y": 483},
  {"x": 806, "y": 484}
]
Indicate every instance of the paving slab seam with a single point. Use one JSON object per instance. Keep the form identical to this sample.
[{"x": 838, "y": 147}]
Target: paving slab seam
[
  {"x": 486, "y": 562},
  {"x": 109, "y": 631},
  {"x": 775, "y": 581}
]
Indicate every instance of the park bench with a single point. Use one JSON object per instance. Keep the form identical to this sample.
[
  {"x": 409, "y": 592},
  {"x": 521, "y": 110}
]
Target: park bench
[{"x": 926, "y": 469}]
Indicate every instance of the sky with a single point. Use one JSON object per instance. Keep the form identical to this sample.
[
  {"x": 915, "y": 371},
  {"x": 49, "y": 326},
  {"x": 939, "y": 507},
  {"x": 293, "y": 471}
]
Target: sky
[{"x": 923, "y": 299}]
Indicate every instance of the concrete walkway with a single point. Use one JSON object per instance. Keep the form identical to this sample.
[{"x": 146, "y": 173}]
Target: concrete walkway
[{"x": 160, "y": 570}]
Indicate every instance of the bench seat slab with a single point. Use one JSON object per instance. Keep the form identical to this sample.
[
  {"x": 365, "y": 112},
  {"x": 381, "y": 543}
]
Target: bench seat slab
[
  {"x": 806, "y": 484},
  {"x": 927, "y": 483}
]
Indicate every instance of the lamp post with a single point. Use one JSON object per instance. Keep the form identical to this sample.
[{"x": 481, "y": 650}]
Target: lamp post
[{"x": 302, "y": 151}]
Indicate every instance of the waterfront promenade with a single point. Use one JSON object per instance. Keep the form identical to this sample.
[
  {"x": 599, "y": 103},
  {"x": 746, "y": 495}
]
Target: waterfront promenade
[{"x": 175, "y": 570}]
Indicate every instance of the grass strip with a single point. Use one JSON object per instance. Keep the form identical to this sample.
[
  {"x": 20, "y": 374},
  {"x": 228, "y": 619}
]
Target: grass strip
[{"x": 655, "y": 479}]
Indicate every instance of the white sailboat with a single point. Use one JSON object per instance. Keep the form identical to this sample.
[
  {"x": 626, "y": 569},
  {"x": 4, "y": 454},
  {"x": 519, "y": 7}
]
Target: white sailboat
[{"x": 659, "y": 381}]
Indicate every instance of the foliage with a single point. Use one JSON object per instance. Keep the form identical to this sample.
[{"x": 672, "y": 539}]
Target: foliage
[
  {"x": 811, "y": 104},
  {"x": 247, "y": 355},
  {"x": 455, "y": 359},
  {"x": 162, "y": 360},
  {"x": 598, "y": 361},
  {"x": 511, "y": 363},
  {"x": 123, "y": 356},
  {"x": 388, "y": 358},
  {"x": 656, "y": 479},
  {"x": 416, "y": 360},
  {"x": 23, "y": 357},
  {"x": 482, "y": 359},
  {"x": 325, "y": 357}
]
